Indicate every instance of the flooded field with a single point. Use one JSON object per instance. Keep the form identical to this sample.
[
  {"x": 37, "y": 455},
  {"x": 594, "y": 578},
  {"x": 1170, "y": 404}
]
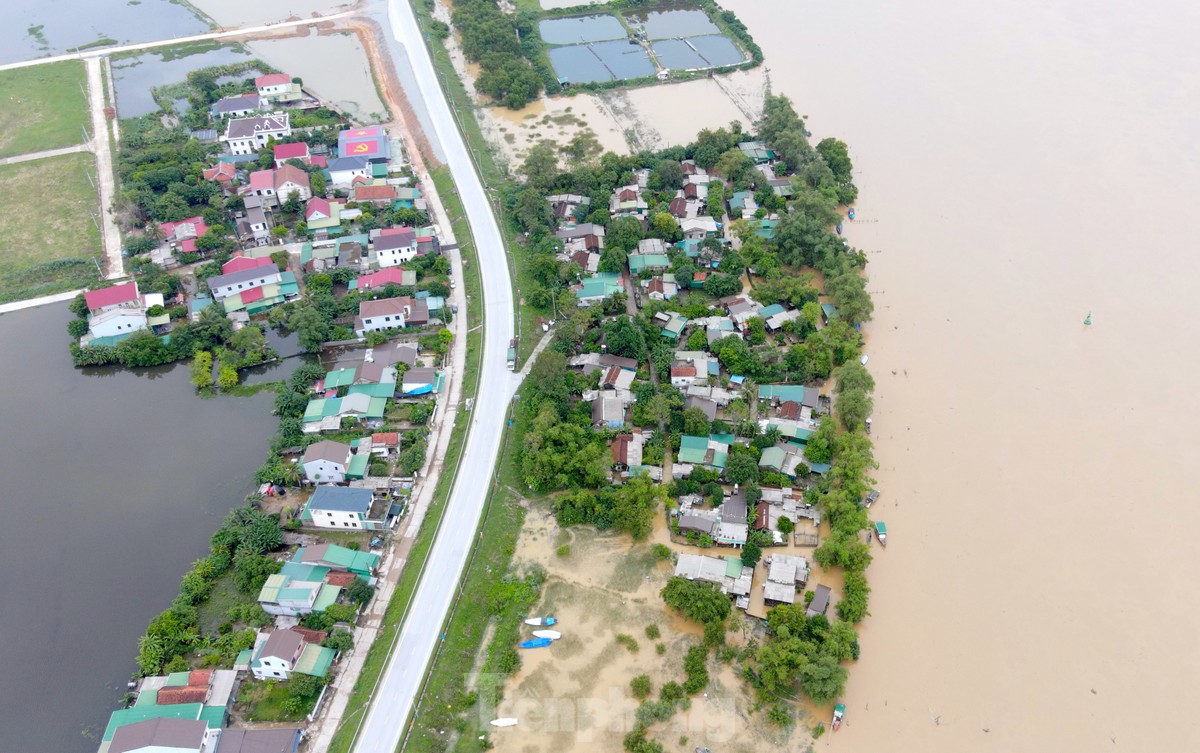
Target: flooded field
[
  {"x": 135, "y": 77},
  {"x": 575, "y": 696},
  {"x": 348, "y": 86},
  {"x": 709, "y": 51},
  {"x": 580, "y": 29},
  {"x": 243, "y": 13},
  {"x": 1036, "y": 472},
  {"x": 674, "y": 23},
  {"x": 601, "y": 61},
  {"x": 36, "y": 28}
]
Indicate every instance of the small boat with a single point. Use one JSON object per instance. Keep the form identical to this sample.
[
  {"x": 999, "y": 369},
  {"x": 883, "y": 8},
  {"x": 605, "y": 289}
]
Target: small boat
[
  {"x": 504, "y": 722},
  {"x": 534, "y": 643},
  {"x": 839, "y": 711},
  {"x": 838, "y": 228},
  {"x": 851, "y": 213},
  {"x": 1088, "y": 320},
  {"x": 538, "y": 621},
  {"x": 551, "y": 634},
  {"x": 881, "y": 532},
  {"x": 872, "y": 497}
]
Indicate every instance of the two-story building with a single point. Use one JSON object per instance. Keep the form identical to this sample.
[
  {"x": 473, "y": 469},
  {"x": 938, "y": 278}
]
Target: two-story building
[
  {"x": 325, "y": 462},
  {"x": 278, "y": 87},
  {"x": 248, "y": 135},
  {"x": 385, "y": 313},
  {"x": 287, "y": 651},
  {"x": 114, "y": 312},
  {"x": 339, "y": 507},
  {"x": 395, "y": 248},
  {"x": 223, "y": 286}
]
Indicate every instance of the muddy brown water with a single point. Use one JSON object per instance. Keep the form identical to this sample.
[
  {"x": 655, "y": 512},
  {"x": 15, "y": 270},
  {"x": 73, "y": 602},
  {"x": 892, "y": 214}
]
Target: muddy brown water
[{"x": 1021, "y": 164}]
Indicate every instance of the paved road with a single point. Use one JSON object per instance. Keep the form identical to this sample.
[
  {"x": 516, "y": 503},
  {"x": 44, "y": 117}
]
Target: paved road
[
  {"x": 44, "y": 154},
  {"x": 393, "y": 700},
  {"x": 105, "y": 182}
]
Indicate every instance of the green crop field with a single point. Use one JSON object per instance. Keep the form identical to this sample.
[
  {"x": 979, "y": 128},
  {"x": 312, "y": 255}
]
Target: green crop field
[
  {"x": 42, "y": 107},
  {"x": 47, "y": 233}
]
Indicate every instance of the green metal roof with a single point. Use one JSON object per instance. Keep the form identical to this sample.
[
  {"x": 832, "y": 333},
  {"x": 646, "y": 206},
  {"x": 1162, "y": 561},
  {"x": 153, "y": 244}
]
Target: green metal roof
[
  {"x": 314, "y": 660},
  {"x": 270, "y": 590},
  {"x": 723, "y": 438},
  {"x": 772, "y": 310},
  {"x": 377, "y": 408},
  {"x": 357, "y": 467},
  {"x": 782, "y": 392},
  {"x": 719, "y": 459},
  {"x": 733, "y": 567},
  {"x": 830, "y": 311},
  {"x": 304, "y": 571},
  {"x": 177, "y": 679},
  {"x": 693, "y": 449},
  {"x": 374, "y": 390},
  {"x": 340, "y": 378},
  {"x": 244, "y": 657},
  {"x": 213, "y": 716},
  {"x": 350, "y": 559},
  {"x": 326, "y": 597},
  {"x": 639, "y": 262}
]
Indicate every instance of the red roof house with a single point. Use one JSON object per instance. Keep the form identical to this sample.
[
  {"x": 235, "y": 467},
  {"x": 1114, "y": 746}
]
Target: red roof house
[
  {"x": 393, "y": 275},
  {"x": 117, "y": 295},
  {"x": 192, "y": 227},
  {"x": 239, "y": 263},
  {"x": 262, "y": 182},
  {"x": 223, "y": 173},
  {"x": 285, "y": 152},
  {"x": 316, "y": 207},
  {"x": 272, "y": 79},
  {"x": 385, "y": 439}
]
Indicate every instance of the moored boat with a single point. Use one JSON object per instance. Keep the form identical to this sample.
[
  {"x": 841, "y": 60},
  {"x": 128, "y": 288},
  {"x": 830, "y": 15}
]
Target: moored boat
[
  {"x": 537, "y": 621},
  {"x": 534, "y": 643},
  {"x": 551, "y": 634},
  {"x": 503, "y": 722},
  {"x": 881, "y": 532},
  {"x": 839, "y": 711}
]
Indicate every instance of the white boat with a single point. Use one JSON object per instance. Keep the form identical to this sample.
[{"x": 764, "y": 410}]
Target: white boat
[
  {"x": 538, "y": 621},
  {"x": 505, "y": 722},
  {"x": 551, "y": 634}
]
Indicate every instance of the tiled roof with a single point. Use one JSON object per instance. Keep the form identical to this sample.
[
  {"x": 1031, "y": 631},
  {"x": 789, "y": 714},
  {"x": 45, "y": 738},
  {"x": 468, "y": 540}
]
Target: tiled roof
[
  {"x": 113, "y": 296},
  {"x": 238, "y": 263},
  {"x": 185, "y": 694},
  {"x": 272, "y": 79},
  {"x": 261, "y": 180},
  {"x": 298, "y": 150}
]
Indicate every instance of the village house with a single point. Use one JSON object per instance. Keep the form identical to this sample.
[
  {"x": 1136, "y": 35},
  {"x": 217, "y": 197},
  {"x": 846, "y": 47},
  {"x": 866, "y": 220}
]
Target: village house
[
  {"x": 683, "y": 375},
  {"x": 388, "y": 313},
  {"x": 339, "y": 507},
  {"x": 820, "y": 602},
  {"x": 597, "y": 288},
  {"x": 711, "y": 452},
  {"x": 419, "y": 381},
  {"x": 322, "y": 216},
  {"x": 608, "y": 411},
  {"x": 564, "y": 205},
  {"x": 278, "y": 88},
  {"x": 279, "y": 740},
  {"x": 224, "y": 286},
  {"x": 343, "y": 170},
  {"x": 671, "y": 323},
  {"x": 583, "y": 237},
  {"x": 285, "y": 152},
  {"x": 389, "y": 276},
  {"x": 728, "y": 574},
  {"x": 325, "y": 462},
  {"x": 296, "y": 590},
  {"x": 248, "y": 135},
  {"x": 338, "y": 559},
  {"x": 223, "y": 173},
  {"x": 627, "y": 449},
  {"x": 661, "y": 288},
  {"x": 290, "y": 179},
  {"x": 370, "y": 142},
  {"x": 394, "y": 248},
  {"x": 698, "y": 228},
  {"x": 785, "y": 572},
  {"x": 236, "y": 107},
  {"x": 114, "y": 313},
  {"x": 377, "y": 193},
  {"x": 286, "y": 652}
]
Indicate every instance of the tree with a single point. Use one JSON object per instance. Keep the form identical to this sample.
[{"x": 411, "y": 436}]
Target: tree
[
  {"x": 698, "y": 601},
  {"x": 310, "y": 326},
  {"x": 785, "y": 525},
  {"x": 663, "y": 225},
  {"x": 144, "y": 349},
  {"x": 250, "y": 571},
  {"x": 695, "y": 422},
  {"x": 670, "y": 174},
  {"x": 822, "y": 678},
  {"x": 541, "y": 164},
  {"x": 624, "y": 233},
  {"x": 751, "y": 554},
  {"x": 716, "y": 200},
  {"x": 316, "y": 180},
  {"x": 721, "y": 285},
  {"x": 853, "y": 375},
  {"x": 624, "y": 338},
  {"x": 698, "y": 340},
  {"x": 633, "y": 510},
  {"x": 227, "y": 377},
  {"x": 849, "y": 294},
  {"x": 740, "y": 468},
  {"x": 613, "y": 259},
  {"x": 202, "y": 364},
  {"x": 853, "y": 606},
  {"x": 339, "y": 640},
  {"x": 77, "y": 328},
  {"x": 853, "y": 407},
  {"x": 360, "y": 592}
]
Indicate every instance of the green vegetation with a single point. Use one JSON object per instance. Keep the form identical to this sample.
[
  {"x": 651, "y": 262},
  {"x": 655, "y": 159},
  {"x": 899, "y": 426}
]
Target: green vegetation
[
  {"x": 275, "y": 701},
  {"x": 640, "y": 686},
  {"x": 505, "y": 46},
  {"x": 45, "y": 107},
  {"x": 51, "y": 245},
  {"x": 176, "y": 633}
]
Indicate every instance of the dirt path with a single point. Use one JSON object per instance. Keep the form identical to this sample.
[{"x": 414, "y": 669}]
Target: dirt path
[
  {"x": 44, "y": 154},
  {"x": 105, "y": 185}
]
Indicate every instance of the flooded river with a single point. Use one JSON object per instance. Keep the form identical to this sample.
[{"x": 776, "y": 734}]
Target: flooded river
[
  {"x": 113, "y": 482},
  {"x": 1020, "y": 166}
]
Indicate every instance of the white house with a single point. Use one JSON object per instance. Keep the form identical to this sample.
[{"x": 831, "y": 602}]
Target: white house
[
  {"x": 343, "y": 170},
  {"x": 277, "y": 87},
  {"x": 223, "y": 286},
  {"x": 248, "y": 135},
  {"x": 277, "y": 657},
  {"x": 117, "y": 322},
  {"x": 396, "y": 248},
  {"x": 325, "y": 462},
  {"x": 385, "y": 313},
  {"x": 339, "y": 507},
  {"x": 290, "y": 179}
]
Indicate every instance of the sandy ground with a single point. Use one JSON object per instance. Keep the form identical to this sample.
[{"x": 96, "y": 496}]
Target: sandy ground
[{"x": 575, "y": 696}]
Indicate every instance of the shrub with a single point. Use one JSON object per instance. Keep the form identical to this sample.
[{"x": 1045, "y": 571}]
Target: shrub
[
  {"x": 652, "y": 632},
  {"x": 629, "y": 642},
  {"x": 563, "y": 551},
  {"x": 640, "y": 686},
  {"x": 779, "y": 715},
  {"x": 661, "y": 552}
]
